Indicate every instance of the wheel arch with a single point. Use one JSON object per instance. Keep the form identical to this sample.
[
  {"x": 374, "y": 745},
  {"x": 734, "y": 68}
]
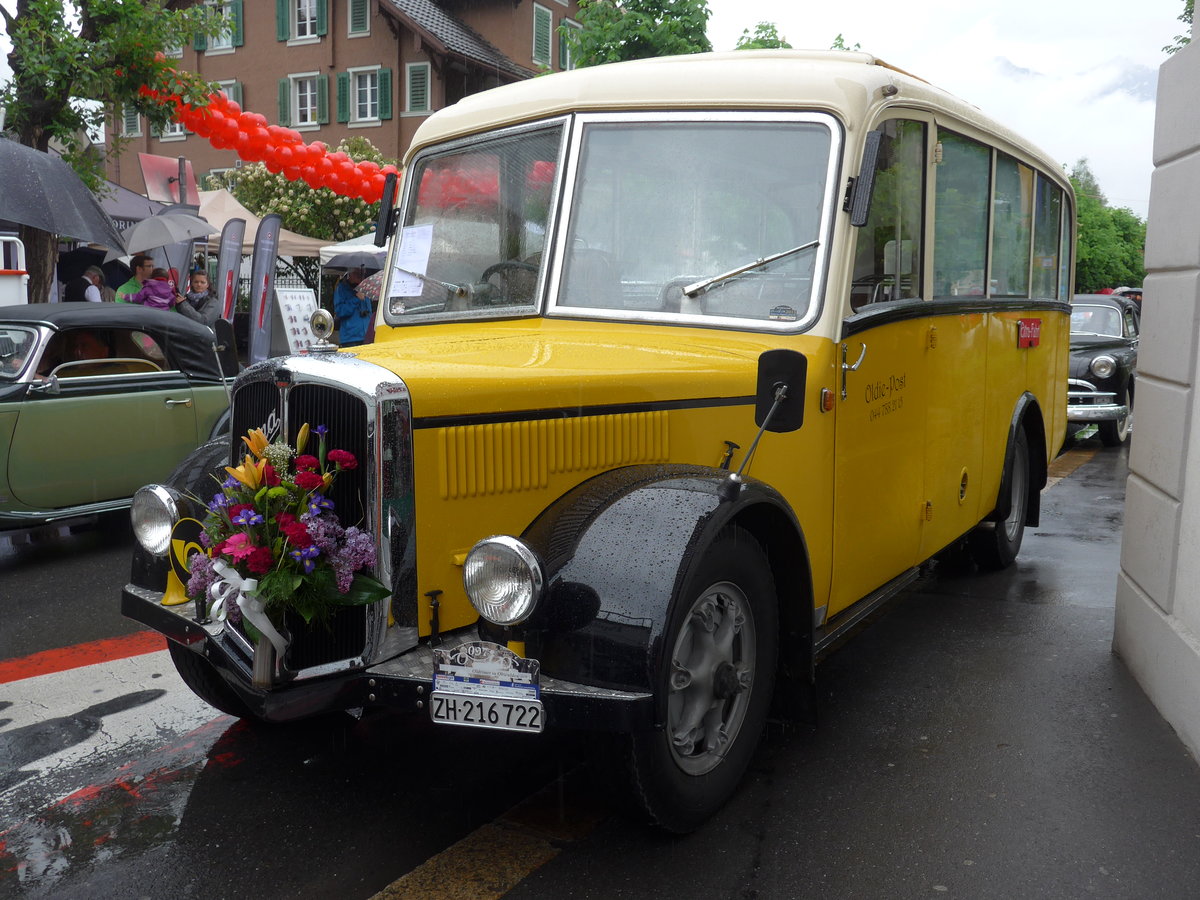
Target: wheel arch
[{"x": 1027, "y": 415}]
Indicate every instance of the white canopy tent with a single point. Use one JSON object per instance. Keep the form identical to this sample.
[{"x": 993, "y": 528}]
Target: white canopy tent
[
  {"x": 218, "y": 207},
  {"x": 364, "y": 243}
]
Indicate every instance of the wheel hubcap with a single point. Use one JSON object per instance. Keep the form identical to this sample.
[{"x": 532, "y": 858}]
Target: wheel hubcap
[{"x": 712, "y": 671}]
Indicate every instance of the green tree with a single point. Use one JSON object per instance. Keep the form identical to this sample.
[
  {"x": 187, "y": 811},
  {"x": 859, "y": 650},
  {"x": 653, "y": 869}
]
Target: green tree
[
  {"x": 72, "y": 61},
  {"x": 839, "y": 43},
  {"x": 1111, "y": 243},
  {"x": 619, "y": 30},
  {"x": 1182, "y": 40},
  {"x": 318, "y": 213},
  {"x": 766, "y": 37}
]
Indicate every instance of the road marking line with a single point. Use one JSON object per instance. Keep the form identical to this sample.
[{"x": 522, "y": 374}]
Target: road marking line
[
  {"x": 79, "y": 655},
  {"x": 1066, "y": 464}
]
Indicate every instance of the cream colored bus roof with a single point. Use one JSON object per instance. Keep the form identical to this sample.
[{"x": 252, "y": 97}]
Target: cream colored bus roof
[{"x": 845, "y": 82}]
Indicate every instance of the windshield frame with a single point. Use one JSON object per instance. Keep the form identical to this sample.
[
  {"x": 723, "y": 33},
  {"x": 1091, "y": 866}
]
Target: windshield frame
[{"x": 823, "y": 232}]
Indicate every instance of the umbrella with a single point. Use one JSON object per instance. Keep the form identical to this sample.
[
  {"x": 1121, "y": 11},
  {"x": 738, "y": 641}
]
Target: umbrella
[
  {"x": 73, "y": 263},
  {"x": 42, "y": 191},
  {"x": 162, "y": 231},
  {"x": 358, "y": 259},
  {"x": 370, "y": 287}
]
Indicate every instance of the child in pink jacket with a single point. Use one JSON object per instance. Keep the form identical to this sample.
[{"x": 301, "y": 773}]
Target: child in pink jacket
[{"x": 158, "y": 291}]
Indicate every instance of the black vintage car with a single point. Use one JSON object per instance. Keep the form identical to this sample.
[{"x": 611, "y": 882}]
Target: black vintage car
[{"x": 1104, "y": 345}]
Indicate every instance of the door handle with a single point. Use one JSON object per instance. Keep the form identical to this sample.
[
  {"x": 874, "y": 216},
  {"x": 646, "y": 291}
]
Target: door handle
[
  {"x": 170, "y": 402},
  {"x": 847, "y": 367}
]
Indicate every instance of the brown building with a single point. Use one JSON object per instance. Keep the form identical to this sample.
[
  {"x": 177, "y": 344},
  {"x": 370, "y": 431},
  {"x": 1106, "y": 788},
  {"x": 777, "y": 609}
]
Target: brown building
[{"x": 334, "y": 69}]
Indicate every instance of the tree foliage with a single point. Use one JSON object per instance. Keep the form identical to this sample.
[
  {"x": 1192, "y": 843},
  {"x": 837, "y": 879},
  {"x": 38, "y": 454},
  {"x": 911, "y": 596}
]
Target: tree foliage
[
  {"x": 73, "y": 61},
  {"x": 1182, "y": 40},
  {"x": 1111, "y": 242},
  {"x": 619, "y": 30},
  {"x": 318, "y": 213},
  {"x": 839, "y": 43},
  {"x": 766, "y": 36}
]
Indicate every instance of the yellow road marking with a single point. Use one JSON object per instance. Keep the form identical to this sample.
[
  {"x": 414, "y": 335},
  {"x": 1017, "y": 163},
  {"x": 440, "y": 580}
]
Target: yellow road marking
[{"x": 1066, "y": 464}]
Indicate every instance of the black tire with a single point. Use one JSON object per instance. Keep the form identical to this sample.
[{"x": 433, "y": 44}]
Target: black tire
[
  {"x": 995, "y": 545},
  {"x": 722, "y": 639},
  {"x": 199, "y": 675},
  {"x": 194, "y": 476},
  {"x": 1114, "y": 434}
]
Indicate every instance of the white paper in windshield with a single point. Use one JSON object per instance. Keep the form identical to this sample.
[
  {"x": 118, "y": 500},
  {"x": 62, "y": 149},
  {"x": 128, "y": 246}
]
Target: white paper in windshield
[{"x": 412, "y": 256}]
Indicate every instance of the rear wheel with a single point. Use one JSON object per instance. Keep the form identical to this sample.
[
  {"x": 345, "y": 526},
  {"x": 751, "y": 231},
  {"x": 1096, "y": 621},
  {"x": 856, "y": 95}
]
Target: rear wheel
[
  {"x": 717, "y": 679},
  {"x": 995, "y": 545},
  {"x": 1114, "y": 434}
]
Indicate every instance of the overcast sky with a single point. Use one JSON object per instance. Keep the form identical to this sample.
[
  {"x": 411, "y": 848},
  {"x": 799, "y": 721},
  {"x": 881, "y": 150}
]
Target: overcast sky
[{"x": 1077, "y": 77}]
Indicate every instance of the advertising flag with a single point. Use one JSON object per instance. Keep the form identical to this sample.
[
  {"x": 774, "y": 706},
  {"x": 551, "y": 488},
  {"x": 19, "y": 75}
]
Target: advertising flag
[
  {"x": 229, "y": 266},
  {"x": 262, "y": 286}
]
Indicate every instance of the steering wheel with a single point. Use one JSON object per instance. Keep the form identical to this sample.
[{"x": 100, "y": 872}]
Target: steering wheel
[{"x": 507, "y": 264}]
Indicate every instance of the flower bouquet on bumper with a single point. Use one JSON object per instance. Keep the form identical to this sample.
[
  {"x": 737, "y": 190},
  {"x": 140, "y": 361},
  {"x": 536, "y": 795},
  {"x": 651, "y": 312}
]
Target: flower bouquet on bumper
[{"x": 274, "y": 545}]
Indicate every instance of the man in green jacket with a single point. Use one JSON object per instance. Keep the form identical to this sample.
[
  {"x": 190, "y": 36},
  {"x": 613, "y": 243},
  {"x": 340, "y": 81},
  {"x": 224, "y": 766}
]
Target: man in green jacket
[{"x": 142, "y": 266}]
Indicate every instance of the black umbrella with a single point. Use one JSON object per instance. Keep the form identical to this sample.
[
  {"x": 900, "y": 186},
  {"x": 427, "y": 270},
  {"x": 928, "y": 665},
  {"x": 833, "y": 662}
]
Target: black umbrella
[
  {"x": 73, "y": 263},
  {"x": 42, "y": 191},
  {"x": 358, "y": 259}
]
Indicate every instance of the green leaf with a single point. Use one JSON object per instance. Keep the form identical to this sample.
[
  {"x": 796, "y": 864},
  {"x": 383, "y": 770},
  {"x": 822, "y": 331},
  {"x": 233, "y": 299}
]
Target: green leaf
[{"x": 363, "y": 590}]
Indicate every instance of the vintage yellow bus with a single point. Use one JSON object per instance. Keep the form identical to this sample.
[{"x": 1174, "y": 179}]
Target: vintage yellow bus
[{"x": 680, "y": 368}]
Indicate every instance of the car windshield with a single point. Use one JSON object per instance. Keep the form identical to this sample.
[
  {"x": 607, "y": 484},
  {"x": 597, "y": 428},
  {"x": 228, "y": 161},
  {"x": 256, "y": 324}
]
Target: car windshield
[
  {"x": 664, "y": 218},
  {"x": 1096, "y": 320},
  {"x": 16, "y": 346}
]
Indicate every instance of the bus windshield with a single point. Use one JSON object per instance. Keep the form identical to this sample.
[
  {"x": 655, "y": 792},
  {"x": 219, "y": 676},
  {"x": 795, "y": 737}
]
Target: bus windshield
[{"x": 665, "y": 218}]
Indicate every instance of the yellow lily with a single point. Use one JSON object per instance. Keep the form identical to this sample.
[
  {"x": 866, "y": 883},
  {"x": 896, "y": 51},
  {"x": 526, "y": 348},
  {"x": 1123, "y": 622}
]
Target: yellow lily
[
  {"x": 302, "y": 439},
  {"x": 249, "y": 472},
  {"x": 256, "y": 441}
]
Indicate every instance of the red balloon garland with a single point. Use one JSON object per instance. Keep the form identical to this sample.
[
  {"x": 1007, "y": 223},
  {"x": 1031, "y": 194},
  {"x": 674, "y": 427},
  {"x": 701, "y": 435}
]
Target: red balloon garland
[{"x": 225, "y": 125}]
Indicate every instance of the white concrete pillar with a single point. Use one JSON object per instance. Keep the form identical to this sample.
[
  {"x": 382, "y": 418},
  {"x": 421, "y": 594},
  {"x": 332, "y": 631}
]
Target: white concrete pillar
[{"x": 1157, "y": 629}]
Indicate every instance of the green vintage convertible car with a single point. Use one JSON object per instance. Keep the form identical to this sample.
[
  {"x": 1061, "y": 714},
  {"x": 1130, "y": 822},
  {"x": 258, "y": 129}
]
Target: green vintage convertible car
[{"x": 97, "y": 399}]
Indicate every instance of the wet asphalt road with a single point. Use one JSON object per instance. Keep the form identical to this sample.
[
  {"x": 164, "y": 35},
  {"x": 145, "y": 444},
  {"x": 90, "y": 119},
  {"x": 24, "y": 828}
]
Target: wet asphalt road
[{"x": 978, "y": 739}]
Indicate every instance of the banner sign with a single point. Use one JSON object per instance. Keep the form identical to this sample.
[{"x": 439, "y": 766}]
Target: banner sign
[
  {"x": 229, "y": 266},
  {"x": 262, "y": 286}
]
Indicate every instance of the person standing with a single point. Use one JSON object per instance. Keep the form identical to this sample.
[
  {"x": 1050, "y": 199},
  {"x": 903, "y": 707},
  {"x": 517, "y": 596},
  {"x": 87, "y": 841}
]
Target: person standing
[
  {"x": 353, "y": 312},
  {"x": 142, "y": 265},
  {"x": 200, "y": 303},
  {"x": 84, "y": 287}
]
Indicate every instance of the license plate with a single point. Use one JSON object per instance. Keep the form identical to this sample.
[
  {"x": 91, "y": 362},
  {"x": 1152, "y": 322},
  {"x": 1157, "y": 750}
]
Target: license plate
[
  {"x": 486, "y": 712},
  {"x": 484, "y": 685}
]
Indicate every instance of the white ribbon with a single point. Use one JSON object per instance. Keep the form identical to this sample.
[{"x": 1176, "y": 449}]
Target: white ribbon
[{"x": 244, "y": 594}]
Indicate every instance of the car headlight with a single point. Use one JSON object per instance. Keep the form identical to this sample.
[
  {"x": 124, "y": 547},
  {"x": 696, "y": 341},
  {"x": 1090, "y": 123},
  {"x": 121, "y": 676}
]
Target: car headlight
[
  {"x": 1103, "y": 366},
  {"x": 154, "y": 512},
  {"x": 503, "y": 579}
]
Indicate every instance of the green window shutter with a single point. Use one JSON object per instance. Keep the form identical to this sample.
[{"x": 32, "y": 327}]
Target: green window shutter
[
  {"x": 322, "y": 99},
  {"x": 285, "y": 101},
  {"x": 200, "y": 43},
  {"x": 385, "y": 93},
  {"x": 235, "y": 11},
  {"x": 418, "y": 87},
  {"x": 343, "y": 96},
  {"x": 322, "y": 17},
  {"x": 360, "y": 11},
  {"x": 155, "y": 131},
  {"x": 131, "y": 122},
  {"x": 283, "y": 21},
  {"x": 235, "y": 92},
  {"x": 543, "y": 22}
]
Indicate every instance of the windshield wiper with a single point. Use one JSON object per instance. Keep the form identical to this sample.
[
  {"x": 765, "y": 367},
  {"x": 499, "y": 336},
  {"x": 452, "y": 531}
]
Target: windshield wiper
[
  {"x": 454, "y": 290},
  {"x": 699, "y": 287}
]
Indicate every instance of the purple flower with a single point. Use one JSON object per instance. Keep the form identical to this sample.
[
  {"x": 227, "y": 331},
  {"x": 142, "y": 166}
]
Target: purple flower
[
  {"x": 202, "y": 576},
  {"x": 248, "y": 517},
  {"x": 326, "y": 532},
  {"x": 318, "y": 503},
  {"x": 322, "y": 430},
  {"x": 357, "y": 552},
  {"x": 219, "y": 501},
  {"x": 230, "y": 482},
  {"x": 305, "y": 555}
]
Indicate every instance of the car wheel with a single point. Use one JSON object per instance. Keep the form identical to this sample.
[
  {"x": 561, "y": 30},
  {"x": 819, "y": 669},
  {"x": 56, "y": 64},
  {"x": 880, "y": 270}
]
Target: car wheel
[
  {"x": 199, "y": 675},
  {"x": 995, "y": 545},
  {"x": 717, "y": 679},
  {"x": 1114, "y": 434}
]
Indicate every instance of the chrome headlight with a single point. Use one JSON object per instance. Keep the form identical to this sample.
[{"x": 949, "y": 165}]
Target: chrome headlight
[
  {"x": 1103, "y": 366},
  {"x": 503, "y": 579},
  {"x": 154, "y": 512}
]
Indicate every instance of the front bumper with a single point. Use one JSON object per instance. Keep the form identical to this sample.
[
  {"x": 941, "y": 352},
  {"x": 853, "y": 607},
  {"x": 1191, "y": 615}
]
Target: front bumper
[
  {"x": 402, "y": 682},
  {"x": 1085, "y": 406}
]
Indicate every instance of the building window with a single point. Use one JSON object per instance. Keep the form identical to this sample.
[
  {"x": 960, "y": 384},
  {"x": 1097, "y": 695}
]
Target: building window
[
  {"x": 364, "y": 96},
  {"x": 543, "y": 25},
  {"x": 301, "y": 21},
  {"x": 230, "y": 35},
  {"x": 418, "y": 88},
  {"x": 306, "y": 19},
  {"x": 131, "y": 122},
  {"x": 172, "y": 131},
  {"x": 359, "y": 12},
  {"x": 303, "y": 100},
  {"x": 232, "y": 89},
  {"x": 566, "y": 31}
]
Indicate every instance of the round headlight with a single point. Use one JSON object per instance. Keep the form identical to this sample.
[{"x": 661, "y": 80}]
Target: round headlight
[
  {"x": 1103, "y": 366},
  {"x": 154, "y": 513},
  {"x": 503, "y": 579}
]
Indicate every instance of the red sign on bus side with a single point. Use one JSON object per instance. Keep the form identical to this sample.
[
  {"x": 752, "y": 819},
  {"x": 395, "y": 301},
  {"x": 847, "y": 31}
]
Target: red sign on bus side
[{"x": 1029, "y": 332}]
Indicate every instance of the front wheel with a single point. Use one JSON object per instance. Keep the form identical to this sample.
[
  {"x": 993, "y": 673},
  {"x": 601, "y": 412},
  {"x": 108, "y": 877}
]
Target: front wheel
[
  {"x": 1114, "y": 434},
  {"x": 206, "y": 683},
  {"x": 717, "y": 678},
  {"x": 995, "y": 545}
]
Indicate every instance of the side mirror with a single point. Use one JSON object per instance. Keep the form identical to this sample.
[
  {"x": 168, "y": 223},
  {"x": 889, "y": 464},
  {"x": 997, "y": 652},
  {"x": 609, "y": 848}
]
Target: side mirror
[
  {"x": 858, "y": 204},
  {"x": 773, "y": 412},
  {"x": 49, "y": 386},
  {"x": 386, "y": 223}
]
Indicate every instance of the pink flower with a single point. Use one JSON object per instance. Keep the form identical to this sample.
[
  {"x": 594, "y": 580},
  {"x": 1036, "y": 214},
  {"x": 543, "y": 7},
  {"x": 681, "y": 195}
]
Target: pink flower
[
  {"x": 306, "y": 462},
  {"x": 238, "y": 546}
]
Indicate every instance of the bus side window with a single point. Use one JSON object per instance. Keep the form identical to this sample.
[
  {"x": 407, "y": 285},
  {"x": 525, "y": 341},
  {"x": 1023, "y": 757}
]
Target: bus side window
[
  {"x": 961, "y": 199},
  {"x": 887, "y": 262}
]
